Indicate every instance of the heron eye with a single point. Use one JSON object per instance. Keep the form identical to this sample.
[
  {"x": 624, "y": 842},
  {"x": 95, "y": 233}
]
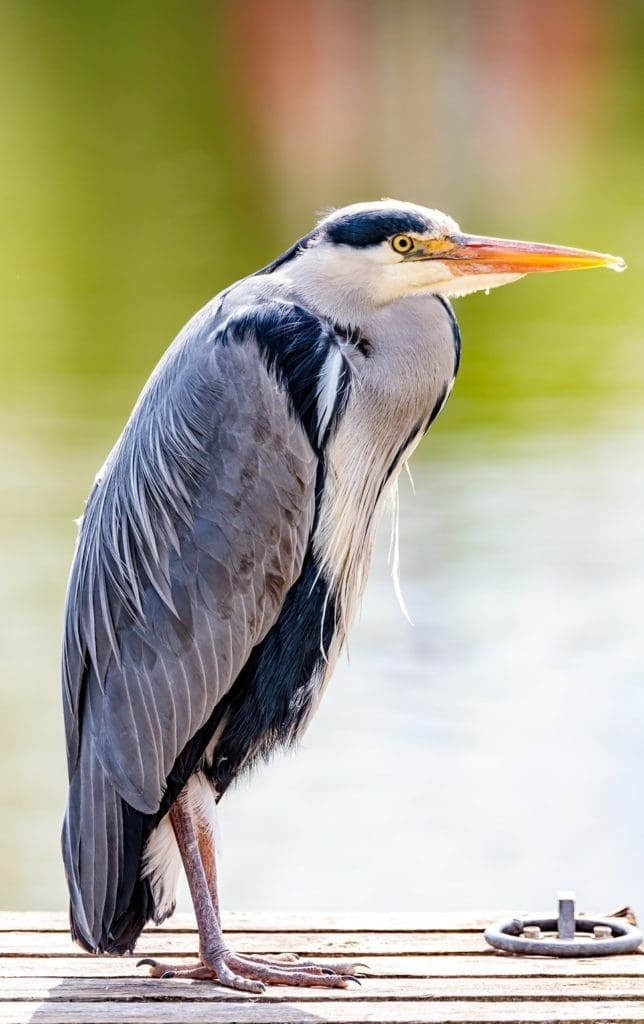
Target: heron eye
[{"x": 402, "y": 243}]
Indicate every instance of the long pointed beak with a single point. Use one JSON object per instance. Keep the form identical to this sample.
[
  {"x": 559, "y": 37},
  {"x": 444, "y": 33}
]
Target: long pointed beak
[{"x": 471, "y": 254}]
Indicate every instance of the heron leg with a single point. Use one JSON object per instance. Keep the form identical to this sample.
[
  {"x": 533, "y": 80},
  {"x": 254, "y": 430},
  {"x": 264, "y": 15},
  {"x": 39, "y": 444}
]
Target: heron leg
[
  {"x": 217, "y": 961},
  {"x": 206, "y": 841}
]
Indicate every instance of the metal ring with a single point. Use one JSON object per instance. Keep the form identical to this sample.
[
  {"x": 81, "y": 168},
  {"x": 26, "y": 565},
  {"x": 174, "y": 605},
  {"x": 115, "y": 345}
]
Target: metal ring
[{"x": 507, "y": 936}]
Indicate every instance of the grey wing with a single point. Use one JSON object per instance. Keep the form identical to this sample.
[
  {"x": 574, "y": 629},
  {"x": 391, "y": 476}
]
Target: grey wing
[{"x": 189, "y": 544}]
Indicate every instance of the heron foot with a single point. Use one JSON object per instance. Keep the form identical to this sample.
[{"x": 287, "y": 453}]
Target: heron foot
[
  {"x": 346, "y": 967},
  {"x": 253, "y": 974}
]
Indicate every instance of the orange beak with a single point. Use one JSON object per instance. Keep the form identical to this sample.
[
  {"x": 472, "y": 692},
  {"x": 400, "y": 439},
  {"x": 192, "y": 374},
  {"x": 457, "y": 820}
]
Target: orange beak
[{"x": 476, "y": 254}]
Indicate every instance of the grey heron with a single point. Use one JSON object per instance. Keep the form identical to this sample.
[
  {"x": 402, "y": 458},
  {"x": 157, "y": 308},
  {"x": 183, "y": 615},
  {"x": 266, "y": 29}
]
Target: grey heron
[{"x": 226, "y": 543}]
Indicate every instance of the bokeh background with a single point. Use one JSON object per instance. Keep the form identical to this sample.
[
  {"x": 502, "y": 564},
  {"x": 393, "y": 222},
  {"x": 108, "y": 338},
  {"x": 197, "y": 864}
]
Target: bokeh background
[{"x": 150, "y": 153}]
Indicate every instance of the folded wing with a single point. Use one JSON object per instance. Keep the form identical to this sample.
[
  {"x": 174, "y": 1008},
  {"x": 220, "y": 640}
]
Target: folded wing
[{"x": 189, "y": 544}]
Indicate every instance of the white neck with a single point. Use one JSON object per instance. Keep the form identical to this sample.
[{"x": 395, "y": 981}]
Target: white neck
[{"x": 337, "y": 282}]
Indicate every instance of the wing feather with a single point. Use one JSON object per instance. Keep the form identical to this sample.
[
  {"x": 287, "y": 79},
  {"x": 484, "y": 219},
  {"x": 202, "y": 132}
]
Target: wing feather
[{"x": 191, "y": 539}]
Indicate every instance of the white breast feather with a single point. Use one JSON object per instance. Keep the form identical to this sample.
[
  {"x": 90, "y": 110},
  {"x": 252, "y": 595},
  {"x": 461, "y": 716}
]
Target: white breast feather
[
  {"x": 327, "y": 389},
  {"x": 350, "y": 512},
  {"x": 161, "y": 865}
]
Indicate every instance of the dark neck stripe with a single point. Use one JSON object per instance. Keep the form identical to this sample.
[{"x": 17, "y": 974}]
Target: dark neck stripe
[
  {"x": 456, "y": 331},
  {"x": 416, "y": 430},
  {"x": 354, "y": 336}
]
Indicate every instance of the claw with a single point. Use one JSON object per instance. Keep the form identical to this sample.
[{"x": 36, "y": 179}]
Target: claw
[
  {"x": 351, "y": 977},
  {"x": 345, "y": 967},
  {"x": 256, "y": 987},
  {"x": 146, "y": 961},
  {"x": 168, "y": 974}
]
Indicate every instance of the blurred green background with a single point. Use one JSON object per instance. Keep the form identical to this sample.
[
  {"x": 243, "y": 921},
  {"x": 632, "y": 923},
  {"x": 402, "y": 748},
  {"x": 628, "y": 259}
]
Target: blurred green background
[{"x": 152, "y": 153}]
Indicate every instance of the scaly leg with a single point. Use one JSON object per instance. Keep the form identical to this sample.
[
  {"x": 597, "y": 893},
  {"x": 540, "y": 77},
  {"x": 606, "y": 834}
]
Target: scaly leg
[
  {"x": 217, "y": 961},
  {"x": 206, "y": 841}
]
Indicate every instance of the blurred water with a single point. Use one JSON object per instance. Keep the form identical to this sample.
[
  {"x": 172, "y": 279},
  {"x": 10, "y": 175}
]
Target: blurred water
[
  {"x": 483, "y": 757},
  {"x": 491, "y": 753},
  {"x": 152, "y": 153}
]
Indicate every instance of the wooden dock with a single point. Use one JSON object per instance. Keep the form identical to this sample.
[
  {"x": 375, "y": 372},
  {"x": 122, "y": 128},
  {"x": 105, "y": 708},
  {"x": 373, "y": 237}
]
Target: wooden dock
[{"x": 423, "y": 968}]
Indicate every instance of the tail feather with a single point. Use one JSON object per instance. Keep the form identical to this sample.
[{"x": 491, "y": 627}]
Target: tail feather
[{"x": 103, "y": 843}]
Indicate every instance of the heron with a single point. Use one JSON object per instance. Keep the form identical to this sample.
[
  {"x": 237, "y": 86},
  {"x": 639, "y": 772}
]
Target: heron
[{"x": 225, "y": 546}]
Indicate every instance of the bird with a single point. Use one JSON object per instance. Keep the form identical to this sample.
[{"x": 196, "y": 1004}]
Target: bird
[{"x": 225, "y": 545}]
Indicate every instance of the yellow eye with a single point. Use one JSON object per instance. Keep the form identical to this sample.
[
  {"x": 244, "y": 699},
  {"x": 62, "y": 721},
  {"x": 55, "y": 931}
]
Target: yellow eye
[{"x": 402, "y": 243}]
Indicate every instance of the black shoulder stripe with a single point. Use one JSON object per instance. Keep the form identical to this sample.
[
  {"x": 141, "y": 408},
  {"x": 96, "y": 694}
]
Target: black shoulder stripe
[{"x": 295, "y": 345}]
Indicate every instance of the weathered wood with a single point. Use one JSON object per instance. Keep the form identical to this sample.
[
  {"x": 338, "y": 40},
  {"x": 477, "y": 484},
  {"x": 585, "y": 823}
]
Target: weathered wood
[
  {"x": 423, "y": 968},
  {"x": 333, "y": 1012},
  {"x": 372, "y": 989},
  {"x": 318, "y": 921},
  {"x": 343, "y": 944},
  {"x": 488, "y": 965}
]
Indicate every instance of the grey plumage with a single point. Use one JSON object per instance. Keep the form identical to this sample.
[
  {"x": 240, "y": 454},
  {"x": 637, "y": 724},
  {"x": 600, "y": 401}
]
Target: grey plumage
[
  {"x": 184, "y": 557},
  {"x": 227, "y": 541},
  {"x": 222, "y": 551},
  {"x": 191, "y": 548}
]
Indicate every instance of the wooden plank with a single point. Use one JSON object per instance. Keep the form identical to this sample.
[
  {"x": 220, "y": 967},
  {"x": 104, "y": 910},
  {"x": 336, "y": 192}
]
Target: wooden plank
[
  {"x": 159, "y": 943},
  {"x": 332, "y": 1012},
  {"x": 372, "y": 990},
  {"x": 353, "y": 921},
  {"x": 428, "y": 969},
  {"x": 488, "y": 965}
]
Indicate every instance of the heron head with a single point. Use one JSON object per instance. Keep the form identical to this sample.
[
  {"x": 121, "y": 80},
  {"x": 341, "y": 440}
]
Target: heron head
[{"x": 383, "y": 251}]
